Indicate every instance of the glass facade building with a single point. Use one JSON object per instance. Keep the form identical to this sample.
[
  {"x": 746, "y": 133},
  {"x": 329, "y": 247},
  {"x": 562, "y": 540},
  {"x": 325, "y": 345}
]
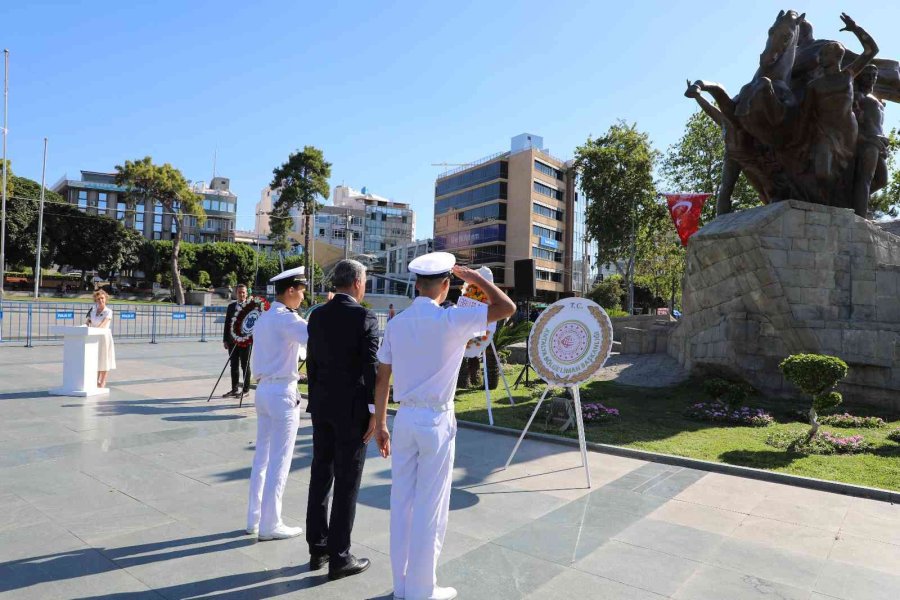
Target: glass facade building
[{"x": 97, "y": 193}]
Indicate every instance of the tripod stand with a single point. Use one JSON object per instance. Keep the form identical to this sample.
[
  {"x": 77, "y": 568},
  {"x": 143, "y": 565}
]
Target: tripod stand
[
  {"x": 524, "y": 373},
  {"x": 227, "y": 362}
]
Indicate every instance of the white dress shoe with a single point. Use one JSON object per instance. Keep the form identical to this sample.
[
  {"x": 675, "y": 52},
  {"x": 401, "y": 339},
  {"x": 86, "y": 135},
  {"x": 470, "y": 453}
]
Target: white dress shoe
[
  {"x": 253, "y": 530},
  {"x": 282, "y": 532},
  {"x": 443, "y": 593}
]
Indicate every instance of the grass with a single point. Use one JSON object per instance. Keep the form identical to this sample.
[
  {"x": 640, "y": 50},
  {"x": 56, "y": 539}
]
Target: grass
[{"x": 652, "y": 419}]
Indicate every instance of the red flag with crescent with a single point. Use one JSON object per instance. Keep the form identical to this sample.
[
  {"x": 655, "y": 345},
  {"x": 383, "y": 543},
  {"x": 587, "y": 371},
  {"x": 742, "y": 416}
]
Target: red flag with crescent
[{"x": 685, "y": 210}]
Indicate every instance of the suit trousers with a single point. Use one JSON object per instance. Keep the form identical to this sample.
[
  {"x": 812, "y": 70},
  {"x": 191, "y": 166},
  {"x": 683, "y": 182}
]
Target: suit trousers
[
  {"x": 277, "y": 419},
  {"x": 339, "y": 456},
  {"x": 422, "y": 449},
  {"x": 240, "y": 361}
]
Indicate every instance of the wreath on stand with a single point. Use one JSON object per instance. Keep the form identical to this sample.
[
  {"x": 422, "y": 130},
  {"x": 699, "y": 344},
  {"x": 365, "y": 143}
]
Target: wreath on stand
[{"x": 244, "y": 319}]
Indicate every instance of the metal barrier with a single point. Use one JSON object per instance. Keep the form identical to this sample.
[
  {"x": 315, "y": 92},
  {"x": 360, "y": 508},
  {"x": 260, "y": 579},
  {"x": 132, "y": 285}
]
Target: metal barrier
[{"x": 29, "y": 322}]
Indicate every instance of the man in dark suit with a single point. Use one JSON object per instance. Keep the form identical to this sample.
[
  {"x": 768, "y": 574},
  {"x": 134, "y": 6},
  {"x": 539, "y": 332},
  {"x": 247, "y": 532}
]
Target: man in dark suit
[
  {"x": 240, "y": 356},
  {"x": 341, "y": 365}
]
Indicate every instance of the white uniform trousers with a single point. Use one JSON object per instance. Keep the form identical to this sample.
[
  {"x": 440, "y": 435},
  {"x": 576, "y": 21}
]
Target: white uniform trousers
[
  {"x": 422, "y": 447},
  {"x": 277, "y": 419}
]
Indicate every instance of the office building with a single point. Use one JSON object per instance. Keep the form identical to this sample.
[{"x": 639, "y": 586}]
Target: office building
[
  {"x": 97, "y": 193},
  {"x": 518, "y": 204}
]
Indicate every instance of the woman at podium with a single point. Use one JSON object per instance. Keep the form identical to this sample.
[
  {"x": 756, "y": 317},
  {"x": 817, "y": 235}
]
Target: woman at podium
[{"x": 100, "y": 316}]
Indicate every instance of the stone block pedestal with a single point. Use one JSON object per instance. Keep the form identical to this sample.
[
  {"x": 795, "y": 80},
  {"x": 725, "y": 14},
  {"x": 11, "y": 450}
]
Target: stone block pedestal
[{"x": 793, "y": 277}]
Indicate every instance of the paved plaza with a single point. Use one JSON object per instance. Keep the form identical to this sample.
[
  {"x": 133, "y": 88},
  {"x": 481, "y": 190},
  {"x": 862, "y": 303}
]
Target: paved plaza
[{"x": 142, "y": 495}]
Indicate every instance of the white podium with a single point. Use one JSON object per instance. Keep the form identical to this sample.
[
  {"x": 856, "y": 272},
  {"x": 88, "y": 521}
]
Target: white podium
[{"x": 80, "y": 355}]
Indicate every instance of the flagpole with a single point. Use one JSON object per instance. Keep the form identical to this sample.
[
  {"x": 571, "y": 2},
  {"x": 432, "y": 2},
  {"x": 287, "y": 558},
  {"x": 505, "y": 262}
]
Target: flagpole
[
  {"x": 5, "y": 168},
  {"x": 37, "y": 264}
]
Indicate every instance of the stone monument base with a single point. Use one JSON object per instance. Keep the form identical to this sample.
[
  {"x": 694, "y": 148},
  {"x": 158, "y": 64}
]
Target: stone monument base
[{"x": 793, "y": 277}]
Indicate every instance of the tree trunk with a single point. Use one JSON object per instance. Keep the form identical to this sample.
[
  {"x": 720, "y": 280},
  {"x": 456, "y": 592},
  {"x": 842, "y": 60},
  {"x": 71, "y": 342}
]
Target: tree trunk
[
  {"x": 475, "y": 378},
  {"x": 177, "y": 288},
  {"x": 493, "y": 369},
  {"x": 814, "y": 425}
]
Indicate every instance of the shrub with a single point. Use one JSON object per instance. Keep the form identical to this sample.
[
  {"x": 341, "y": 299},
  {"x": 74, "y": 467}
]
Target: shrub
[
  {"x": 717, "y": 412},
  {"x": 608, "y": 294},
  {"x": 594, "y": 412},
  {"x": 815, "y": 375},
  {"x": 850, "y": 421},
  {"x": 726, "y": 391},
  {"x": 203, "y": 279},
  {"x": 821, "y": 443},
  {"x": 894, "y": 435},
  {"x": 230, "y": 279}
]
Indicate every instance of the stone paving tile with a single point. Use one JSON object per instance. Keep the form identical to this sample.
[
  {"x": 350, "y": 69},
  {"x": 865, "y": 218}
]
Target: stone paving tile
[
  {"x": 772, "y": 564},
  {"x": 786, "y": 536},
  {"x": 631, "y": 565},
  {"x": 803, "y": 507},
  {"x": 696, "y": 516},
  {"x": 578, "y": 584},
  {"x": 673, "y": 539},
  {"x": 711, "y": 583},
  {"x": 851, "y": 582},
  {"x": 866, "y": 553}
]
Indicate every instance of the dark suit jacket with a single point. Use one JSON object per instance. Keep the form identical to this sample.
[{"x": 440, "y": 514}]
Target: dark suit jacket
[
  {"x": 229, "y": 314},
  {"x": 341, "y": 363}
]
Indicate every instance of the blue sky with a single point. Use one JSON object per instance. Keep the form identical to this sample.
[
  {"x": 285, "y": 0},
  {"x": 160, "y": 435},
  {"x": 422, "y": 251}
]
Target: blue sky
[{"x": 384, "y": 88}]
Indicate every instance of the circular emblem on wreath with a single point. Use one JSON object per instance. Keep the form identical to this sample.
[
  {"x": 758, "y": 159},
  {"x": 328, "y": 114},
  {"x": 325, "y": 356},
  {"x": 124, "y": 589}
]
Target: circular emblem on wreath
[
  {"x": 570, "y": 341},
  {"x": 245, "y": 318}
]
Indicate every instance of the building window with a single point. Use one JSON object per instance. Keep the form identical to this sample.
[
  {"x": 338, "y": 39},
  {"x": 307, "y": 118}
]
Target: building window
[
  {"x": 483, "y": 214},
  {"x": 546, "y": 190},
  {"x": 101, "y": 202},
  {"x": 495, "y": 170},
  {"x": 543, "y": 232},
  {"x": 82, "y": 199},
  {"x": 157, "y": 225},
  {"x": 544, "y": 275},
  {"x": 494, "y": 191},
  {"x": 546, "y": 211},
  {"x": 545, "y": 254},
  {"x": 120, "y": 211},
  {"x": 139, "y": 218},
  {"x": 471, "y": 237},
  {"x": 548, "y": 170}
]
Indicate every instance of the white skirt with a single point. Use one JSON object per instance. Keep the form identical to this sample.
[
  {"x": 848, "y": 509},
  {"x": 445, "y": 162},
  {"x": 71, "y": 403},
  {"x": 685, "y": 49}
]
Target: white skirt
[{"x": 106, "y": 360}]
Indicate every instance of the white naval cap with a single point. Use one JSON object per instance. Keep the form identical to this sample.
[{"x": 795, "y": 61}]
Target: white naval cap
[
  {"x": 296, "y": 275},
  {"x": 433, "y": 265}
]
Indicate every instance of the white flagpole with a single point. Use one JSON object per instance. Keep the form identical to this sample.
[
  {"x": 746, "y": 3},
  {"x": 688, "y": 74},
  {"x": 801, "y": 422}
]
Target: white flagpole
[
  {"x": 37, "y": 265},
  {"x": 5, "y": 168}
]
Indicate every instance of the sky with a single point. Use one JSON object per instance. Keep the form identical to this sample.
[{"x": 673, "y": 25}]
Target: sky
[{"x": 385, "y": 89}]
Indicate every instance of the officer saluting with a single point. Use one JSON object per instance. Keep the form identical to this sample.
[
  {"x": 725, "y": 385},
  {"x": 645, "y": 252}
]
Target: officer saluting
[
  {"x": 277, "y": 336},
  {"x": 423, "y": 348}
]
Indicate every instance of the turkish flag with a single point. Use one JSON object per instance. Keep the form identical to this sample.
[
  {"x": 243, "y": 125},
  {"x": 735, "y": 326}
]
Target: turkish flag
[{"x": 685, "y": 210}]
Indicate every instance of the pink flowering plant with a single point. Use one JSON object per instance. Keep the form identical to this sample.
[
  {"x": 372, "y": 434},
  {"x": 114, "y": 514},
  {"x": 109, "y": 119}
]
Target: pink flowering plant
[
  {"x": 849, "y": 421},
  {"x": 824, "y": 442},
  {"x": 894, "y": 436},
  {"x": 594, "y": 412},
  {"x": 718, "y": 412}
]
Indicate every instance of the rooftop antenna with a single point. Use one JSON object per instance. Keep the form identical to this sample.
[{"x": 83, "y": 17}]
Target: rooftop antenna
[{"x": 215, "y": 159}]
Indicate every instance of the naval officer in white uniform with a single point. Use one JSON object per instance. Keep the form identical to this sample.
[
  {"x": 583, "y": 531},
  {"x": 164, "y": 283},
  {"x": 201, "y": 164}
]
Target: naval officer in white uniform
[
  {"x": 423, "y": 348},
  {"x": 277, "y": 336}
]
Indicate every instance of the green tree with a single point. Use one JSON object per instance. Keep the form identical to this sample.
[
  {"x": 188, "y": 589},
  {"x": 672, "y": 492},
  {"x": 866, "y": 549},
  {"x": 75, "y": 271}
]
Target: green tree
[
  {"x": 617, "y": 179},
  {"x": 22, "y": 204},
  {"x": 91, "y": 242},
  {"x": 301, "y": 180},
  {"x": 608, "y": 293},
  {"x": 693, "y": 164},
  {"x": 659, "y": 264},
  {"x": 165, "y": 184},
  {"x": 219, "y": 259},
  {"x": 885, "y": 202}
]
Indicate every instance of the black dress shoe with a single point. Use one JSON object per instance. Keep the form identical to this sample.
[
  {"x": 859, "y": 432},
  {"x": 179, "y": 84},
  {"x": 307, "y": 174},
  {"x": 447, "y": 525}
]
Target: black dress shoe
[
  {"x": 231, "y": 394},
  {"x": 317, "y": 561},
  {"x": 353, "y": 567}
]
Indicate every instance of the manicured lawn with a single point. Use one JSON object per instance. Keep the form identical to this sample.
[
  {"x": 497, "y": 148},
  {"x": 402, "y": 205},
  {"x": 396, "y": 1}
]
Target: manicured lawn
[{"x": 652, "y": 419}]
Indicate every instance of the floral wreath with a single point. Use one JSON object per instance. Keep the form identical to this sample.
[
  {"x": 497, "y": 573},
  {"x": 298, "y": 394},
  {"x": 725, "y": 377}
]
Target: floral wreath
[
  {"x": 545, "y": 372},
  {"x": 242, "y": 322}
]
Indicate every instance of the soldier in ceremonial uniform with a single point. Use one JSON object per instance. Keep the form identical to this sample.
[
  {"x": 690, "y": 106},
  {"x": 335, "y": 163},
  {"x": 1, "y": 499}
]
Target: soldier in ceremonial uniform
[
  {"x": 277, "y": 336},
  {"x": 423, "y": 348},
  {"x": 240, "y": 355}
]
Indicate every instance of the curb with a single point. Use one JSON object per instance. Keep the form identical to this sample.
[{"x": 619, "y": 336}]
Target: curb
[{"x": 835, "y": 487}]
